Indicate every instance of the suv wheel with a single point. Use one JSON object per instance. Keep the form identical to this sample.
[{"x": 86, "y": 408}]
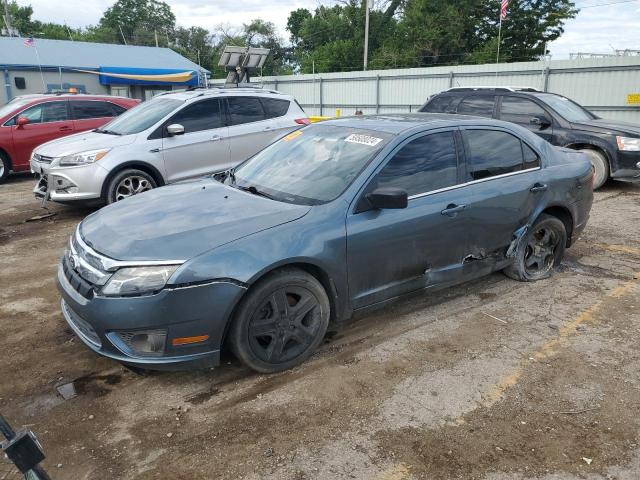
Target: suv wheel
[
  {"x": 128, "y": 183},
  {"x": 5, "y": 166},
  {"x": 600, "y": 166},
  {"x": 540, "y": 251},
  {"x": 280, "y": 322}
]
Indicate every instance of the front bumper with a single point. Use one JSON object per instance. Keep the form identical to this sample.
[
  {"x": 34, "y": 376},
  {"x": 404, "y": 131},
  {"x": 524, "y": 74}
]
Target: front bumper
[
  {"x": 69, "y": 184},
  {"x": 183, "y": 312},
  {"x": 627, "y": 168}
]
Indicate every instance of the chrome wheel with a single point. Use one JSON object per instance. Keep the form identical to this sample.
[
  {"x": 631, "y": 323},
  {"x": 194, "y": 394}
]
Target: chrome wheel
[
  {"x": 131, "y": 185},
  {"x": 540, "y": 252},
  {"x": 285, "y": 325}
]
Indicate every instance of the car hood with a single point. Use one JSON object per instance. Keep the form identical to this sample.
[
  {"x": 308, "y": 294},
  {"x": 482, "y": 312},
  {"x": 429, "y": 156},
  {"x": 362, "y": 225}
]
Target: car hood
[
  {"x": 610, "y": 126},
  {"x": 82, "y": 142},
  {"x": 180, "y": 221}
]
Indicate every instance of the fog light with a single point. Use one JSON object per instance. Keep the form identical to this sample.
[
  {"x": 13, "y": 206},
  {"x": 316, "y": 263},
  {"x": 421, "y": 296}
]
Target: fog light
[
  {"x": 144, "y": 343},
  {"x": 61, "y": 184}
]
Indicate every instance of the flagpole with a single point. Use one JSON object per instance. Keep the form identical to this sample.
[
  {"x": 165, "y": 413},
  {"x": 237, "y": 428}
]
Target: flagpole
[
  {"x": 44, "y": 85},
  {"x": 498, "y": 53}
]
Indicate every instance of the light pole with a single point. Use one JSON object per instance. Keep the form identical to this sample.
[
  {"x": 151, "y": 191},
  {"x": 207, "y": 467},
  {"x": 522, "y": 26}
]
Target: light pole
[{"x": 366, "y": 33}]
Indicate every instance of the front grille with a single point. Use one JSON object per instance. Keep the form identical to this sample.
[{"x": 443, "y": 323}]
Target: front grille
[
  {"x": 78, "y": 283},
  {"x": 81, "y": 325},
  {"x": 42, "y": 158}
]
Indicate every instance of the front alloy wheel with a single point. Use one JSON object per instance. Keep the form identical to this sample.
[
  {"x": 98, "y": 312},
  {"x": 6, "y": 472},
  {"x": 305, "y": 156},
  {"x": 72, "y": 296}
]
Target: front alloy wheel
[
  {"x": 128, "y": 183},
  {"x": 281, "y": 322}
]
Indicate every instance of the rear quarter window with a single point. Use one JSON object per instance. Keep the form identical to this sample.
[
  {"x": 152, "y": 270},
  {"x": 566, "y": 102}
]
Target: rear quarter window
[
  {"x": 439, "y": 104},
  {"x": 274, "y": 107}
]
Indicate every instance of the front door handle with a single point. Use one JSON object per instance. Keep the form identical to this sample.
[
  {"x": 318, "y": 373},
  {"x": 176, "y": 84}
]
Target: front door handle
[
  {"x": 216, "y": 138},
  {"x": 538, "y": 187},
  {"x": 452, "y": 209}
]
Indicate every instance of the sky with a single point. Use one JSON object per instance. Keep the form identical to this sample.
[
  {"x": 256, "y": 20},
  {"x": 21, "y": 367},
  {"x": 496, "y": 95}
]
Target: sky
[{"x": 599, "y": 28}]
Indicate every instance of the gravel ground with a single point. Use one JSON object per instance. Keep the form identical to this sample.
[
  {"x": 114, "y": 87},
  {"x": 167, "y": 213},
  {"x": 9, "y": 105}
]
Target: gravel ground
[{"x": 490, "y": 380}]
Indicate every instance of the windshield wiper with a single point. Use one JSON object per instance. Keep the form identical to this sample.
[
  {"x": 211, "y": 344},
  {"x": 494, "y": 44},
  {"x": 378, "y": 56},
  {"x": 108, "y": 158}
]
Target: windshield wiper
[
  {"x": 254, "y": 190},
  {"x": 108, "y": 132}
]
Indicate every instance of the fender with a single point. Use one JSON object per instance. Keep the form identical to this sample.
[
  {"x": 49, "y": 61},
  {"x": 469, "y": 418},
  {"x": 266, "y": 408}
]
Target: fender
[{"x": 153, "y": 171}]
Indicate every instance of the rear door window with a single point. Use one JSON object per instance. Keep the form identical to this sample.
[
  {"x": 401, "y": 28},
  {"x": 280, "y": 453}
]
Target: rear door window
[
  {"x": 481, "y": 105},
  {"x": 198, "y": 116},
  {"x": 274, "y": 107},
  {"x": 84, "y": 109},
  {"x": 519, "y": 110},
  {"x": 425, "y": 164},
  {"x": 245, "y": 110},
  {"x": 491, "y": 153}
]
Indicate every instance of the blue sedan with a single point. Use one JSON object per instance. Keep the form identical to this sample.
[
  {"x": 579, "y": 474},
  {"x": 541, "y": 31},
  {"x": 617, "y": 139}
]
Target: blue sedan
[{"x": 337, "y": 217}]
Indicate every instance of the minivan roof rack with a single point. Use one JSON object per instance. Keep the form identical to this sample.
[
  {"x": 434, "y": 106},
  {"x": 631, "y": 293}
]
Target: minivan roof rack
[{"x": 495, "y": 89}]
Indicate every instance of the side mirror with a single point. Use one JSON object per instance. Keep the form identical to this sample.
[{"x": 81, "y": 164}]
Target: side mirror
[
  {"x": 388, "y": 198},
  {"x": 542, "y": 122},
  {"x": 175, "y": 129},
  {"x": 22, "y": 121}
]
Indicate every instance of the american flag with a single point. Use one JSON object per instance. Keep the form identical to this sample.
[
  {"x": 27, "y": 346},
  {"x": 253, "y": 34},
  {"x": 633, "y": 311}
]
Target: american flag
[
  {"x": 29, "y": 42},
  {"x": 503, "y": 9}
]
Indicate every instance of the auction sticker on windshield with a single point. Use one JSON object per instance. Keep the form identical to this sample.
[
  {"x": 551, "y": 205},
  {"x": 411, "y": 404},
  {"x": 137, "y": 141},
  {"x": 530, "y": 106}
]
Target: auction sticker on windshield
[{"x": 363, "y": 139}]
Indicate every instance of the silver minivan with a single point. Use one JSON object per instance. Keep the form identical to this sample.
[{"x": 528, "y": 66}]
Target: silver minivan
[{"x": 172, "y": 137}]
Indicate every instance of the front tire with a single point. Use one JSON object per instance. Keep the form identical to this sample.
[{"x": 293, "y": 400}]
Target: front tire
[
  {"x": 5, "y": 167},
  {"x": 127, "y": 183},
  {"x": 280, "y": 322},
  {"x": 540, "y": 251},
  {"x": 600, "y": 166}
]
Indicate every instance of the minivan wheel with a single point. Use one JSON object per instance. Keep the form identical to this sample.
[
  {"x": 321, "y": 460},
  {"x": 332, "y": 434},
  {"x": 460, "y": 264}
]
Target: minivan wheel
[
  {"x": 280, "y": 322},
  {"x": 128, "y": 183},
  {"x": 600, "y": 166},
  {"x": 5, "y": 166},
  {"x": 540, "y": 251}
]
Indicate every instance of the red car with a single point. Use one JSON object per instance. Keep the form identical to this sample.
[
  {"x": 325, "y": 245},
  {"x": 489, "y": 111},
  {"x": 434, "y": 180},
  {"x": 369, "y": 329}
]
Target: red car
[{"x": 31, "y": 120}]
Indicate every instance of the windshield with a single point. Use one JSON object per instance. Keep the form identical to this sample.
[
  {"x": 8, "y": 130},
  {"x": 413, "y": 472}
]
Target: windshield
[
  {"x": 14, "y": 105},
  {"x": 141, "y": 117},
  {"x": 310, "y": 166},
  {"x": 568, "y": 109}
]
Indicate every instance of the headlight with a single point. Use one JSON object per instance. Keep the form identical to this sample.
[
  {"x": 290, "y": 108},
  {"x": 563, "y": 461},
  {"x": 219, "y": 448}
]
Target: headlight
[
  {"x": 138, "y": 280},
  {"x": 628, "y": 144},
  {"x": 83, "y": 158}
]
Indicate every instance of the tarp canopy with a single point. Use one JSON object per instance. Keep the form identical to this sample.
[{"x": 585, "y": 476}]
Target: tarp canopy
[{"x": 145, "y": 76}]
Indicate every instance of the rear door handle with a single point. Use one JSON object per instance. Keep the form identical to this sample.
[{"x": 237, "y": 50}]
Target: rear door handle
[
  {"x": 452, "y": 209},
  {"x": 538, "y": 187},
  {"x": 216, "y": 138},
  {"x": 65, "y": 128}
]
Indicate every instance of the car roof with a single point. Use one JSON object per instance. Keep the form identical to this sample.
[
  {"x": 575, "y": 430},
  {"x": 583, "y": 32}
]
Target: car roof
[
  {"x": 78, "y": 96},
  {"x": 397, "y": 123},
  {"x": 219, "y": 91}
]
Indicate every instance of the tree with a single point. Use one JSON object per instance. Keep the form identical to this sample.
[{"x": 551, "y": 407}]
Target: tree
[{"x": 139, "y": 21}]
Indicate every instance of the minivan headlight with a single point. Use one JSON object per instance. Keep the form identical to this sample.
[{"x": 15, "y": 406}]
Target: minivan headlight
[
  {"x": 83, "y": 158},
  {"x": 138, "y": 280},
  {"x": 628, "y": 144}
]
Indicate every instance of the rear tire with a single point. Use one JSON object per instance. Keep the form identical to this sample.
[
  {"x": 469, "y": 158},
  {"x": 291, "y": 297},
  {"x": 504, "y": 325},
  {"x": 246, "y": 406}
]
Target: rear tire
[
  {"x": 600, "y": 166},
  {"x": 5, "y": 167},
  {"x": 280, "y": 322},
  {"x": 539, "y": 251},
  {"x": 127, "y": 183}
]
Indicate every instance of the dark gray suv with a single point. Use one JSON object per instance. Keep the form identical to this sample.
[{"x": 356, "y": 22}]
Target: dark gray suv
[{"x": 338, "y": 217}]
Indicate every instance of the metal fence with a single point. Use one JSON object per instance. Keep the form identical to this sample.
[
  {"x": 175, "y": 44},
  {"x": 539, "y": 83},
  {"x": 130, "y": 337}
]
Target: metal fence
[{"x": 601, "y": 85}]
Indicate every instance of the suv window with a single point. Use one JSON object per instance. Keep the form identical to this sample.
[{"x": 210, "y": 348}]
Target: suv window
[
  {"x": 440, "y": 104},
  {"x": 481, "y": 105},
  {"x": 519, "y": 110},
  {"x": 274, "y": 107},
  {"x": 245, "y": 110},
  {"x": 85, "y": 109},
  {"x": 491, "y": 153},
  {"x": 202, "y": 115},
  {"x": 422, "y": 165},
  {"x": 45, "y": 113}
]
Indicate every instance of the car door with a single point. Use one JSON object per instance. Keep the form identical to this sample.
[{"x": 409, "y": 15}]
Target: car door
[
  {"x": 249, "y": 128},
  {"x": 90, "y": 114},
  {"x": 202, "y": 148},
  {"x": 47, "y": 121},
  {"x": 391, "y": 252},
  {"x": 527, "y": 114},
  {"x": 503, "y": 187}
]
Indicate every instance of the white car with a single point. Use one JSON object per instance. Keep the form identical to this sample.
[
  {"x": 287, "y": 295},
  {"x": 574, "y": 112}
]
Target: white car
[{"x": 172, "y": 137}]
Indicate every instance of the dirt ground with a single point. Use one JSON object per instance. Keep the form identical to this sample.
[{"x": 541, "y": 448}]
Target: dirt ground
[{"x": 490, "y": 380}]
